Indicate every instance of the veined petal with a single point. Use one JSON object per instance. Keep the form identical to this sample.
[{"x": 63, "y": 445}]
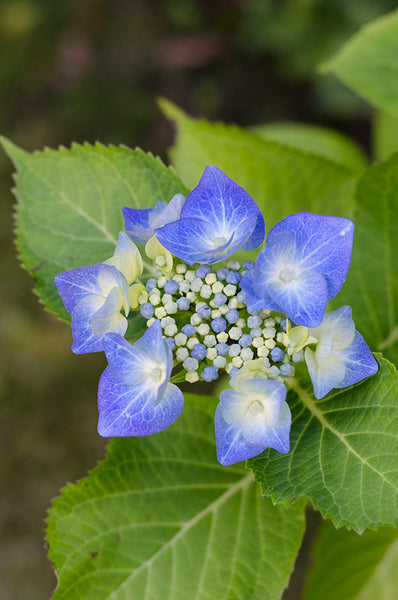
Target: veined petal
[
  {"x": 129, "y": 364},
  {"x": 253, "y": 301},
  {"x": 134, "y": 410},
  {"x": 78, "y": 283},
  {"x": 141, "y": 223},
  {"x": 166, "y": 213},
  {"x": 325, "y": 375},
  {"x": 323, "y": 244},
  {"x": 358, "y": 360},
  {"x": 136, "y": 223},
  {"x": 84, "y": 339},
  {"x": 303, "y": 299},
  {"x": 337, "y": 324}
]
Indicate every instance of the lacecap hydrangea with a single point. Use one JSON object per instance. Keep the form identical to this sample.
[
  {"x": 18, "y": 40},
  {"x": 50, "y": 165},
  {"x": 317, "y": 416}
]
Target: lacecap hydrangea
[{"x": 207, "y": 314}]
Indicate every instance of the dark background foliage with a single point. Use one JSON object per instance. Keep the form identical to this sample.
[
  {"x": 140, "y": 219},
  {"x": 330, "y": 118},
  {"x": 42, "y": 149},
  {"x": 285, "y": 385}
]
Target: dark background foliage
[{"x": 92, "y": 70}]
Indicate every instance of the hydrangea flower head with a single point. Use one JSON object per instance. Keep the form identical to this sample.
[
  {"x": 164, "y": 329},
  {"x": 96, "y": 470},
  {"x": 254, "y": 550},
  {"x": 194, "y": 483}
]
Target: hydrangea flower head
[
  {"x": 217, "y": 219},
  {"x": 252, "y": 321},
  {"x": 134, "y": 394},
  {"x": 303, "y": 265}
]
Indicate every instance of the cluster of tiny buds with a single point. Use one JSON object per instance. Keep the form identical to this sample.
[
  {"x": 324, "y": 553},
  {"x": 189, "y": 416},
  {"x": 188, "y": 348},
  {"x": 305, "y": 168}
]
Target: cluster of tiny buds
[{"x": 206, "y": 323}]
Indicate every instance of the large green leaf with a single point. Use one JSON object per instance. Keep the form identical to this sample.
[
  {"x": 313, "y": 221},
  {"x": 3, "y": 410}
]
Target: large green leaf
[
  {"x": 385, "y": 135},
  {"x": 317, "y": 140},
  {"x": 160, "y": 518},
  {"x": 281, "y": 179},
  {"x": 368, "y": 63},
  {"x": 352, "y": 567},
  {"x": 343, "y": 453},
  {"x": 70, "y": 201},
  {"x": 372, "y": 283}
]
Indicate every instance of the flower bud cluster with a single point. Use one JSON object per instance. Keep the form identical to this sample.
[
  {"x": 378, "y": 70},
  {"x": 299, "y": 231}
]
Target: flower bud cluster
[{"x": 206, "y": 322}]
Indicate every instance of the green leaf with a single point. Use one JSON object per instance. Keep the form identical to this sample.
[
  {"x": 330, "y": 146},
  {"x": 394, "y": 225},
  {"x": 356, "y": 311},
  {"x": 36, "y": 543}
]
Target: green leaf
[
  {"x": 385, "y": 135},
  {"x": 372, "y": 283},
  {"x": 343, "y": 453},
  {"x": 281, "y": 180},
  {"x": 352, "y": 567},
  {"x": 313, "y": 139},
  {"x": 367, "y": 63},
  {"x": 70, "y": 201},
  {"x": 160, "y": 518}
]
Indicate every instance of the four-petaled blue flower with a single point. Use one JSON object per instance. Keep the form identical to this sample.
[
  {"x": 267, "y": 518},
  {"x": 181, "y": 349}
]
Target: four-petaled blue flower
[
  {"x": 217, "y": 219},
  {"x": 141, "y": 223},
  {"x": 94, "y": 297},
  {"x": 341, "y": 357},
  {"x": 134, "y": 394},
  {"x": 250, "y": 419},
  {"x": 303, "y": 265}
]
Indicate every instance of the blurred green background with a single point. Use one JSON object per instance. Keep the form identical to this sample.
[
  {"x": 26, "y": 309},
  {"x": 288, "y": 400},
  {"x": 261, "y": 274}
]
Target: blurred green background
[{"x": 92, "y": 70}]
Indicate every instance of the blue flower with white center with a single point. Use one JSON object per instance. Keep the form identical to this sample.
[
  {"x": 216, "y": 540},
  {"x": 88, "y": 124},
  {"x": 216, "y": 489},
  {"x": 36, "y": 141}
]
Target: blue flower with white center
[
  {"x": 303, "y": 265},
  {"x": 217, "y": 219},
  {"x": 341, "y": 356},
  {"x": 94, "y": 296},
  {"x": 250, "y": 419},
  {"x": 135, "y": 397},
  {"x": 140, "y": 223}
]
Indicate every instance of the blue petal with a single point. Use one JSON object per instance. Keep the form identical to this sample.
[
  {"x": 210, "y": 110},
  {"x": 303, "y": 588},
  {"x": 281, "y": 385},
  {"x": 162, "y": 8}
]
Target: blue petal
[
  {"x": 78, "y": 283},
  {"x": 304, "y": 301},
  {"x": 136, "y": 223},
  {"x": 323, "y": 244},
  {"x": 253, "y": 301},
  {"x": 325, "y": 375},
  {"x": 127, "y": 362},
  {"x": 231, "y": 445},
  {"x": 153, "y": 344},
  {"x": 126, "y": 410},
  {"x": 358, "y": 361},
  {"x": 195, "y": 241},
  {"x": 141, "y": 223},
  {"x": 84, "y": 340}
]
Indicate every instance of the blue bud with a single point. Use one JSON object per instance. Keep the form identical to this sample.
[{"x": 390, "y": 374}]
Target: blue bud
[
  {"x": 202, "y": 271},
  {"x": 232, "y": 315},
  {"x": 233, "y": 277},
  {"x": 283, "y": 324},
  {"x": 277, "y": 354},
  {"x": 146, "y": 310},
  {"x": 233, "y": 371},
  {"x": 150, "y": 284},
  {"x": 222, "y": 349},
  {"x": 188, "y": 330},
  {"x": 234, "y": 350},
  {"x": 241, "y": 296},
  {"x": 220, "y": 299},
  {"x": 209, "y": 374},
  {"x": 253, "y": 322},
  {"x": 199, "y": 351},
  {"x": 222, "y": 273},
  {"x": 171, "y": 286},
  {"x": 247, "y": 265},
  {"x": 218, "y": 324},
  {"x": 170, "y": 342},
  {"x": 254, "y": 311},
  {"x": 245, "y": 340},
  {"x": 183, "y": 303},
  {"x": 190, "y": 364},
  {"x": 286, "y": 369},
  {"x": 204, "y": 311}
]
